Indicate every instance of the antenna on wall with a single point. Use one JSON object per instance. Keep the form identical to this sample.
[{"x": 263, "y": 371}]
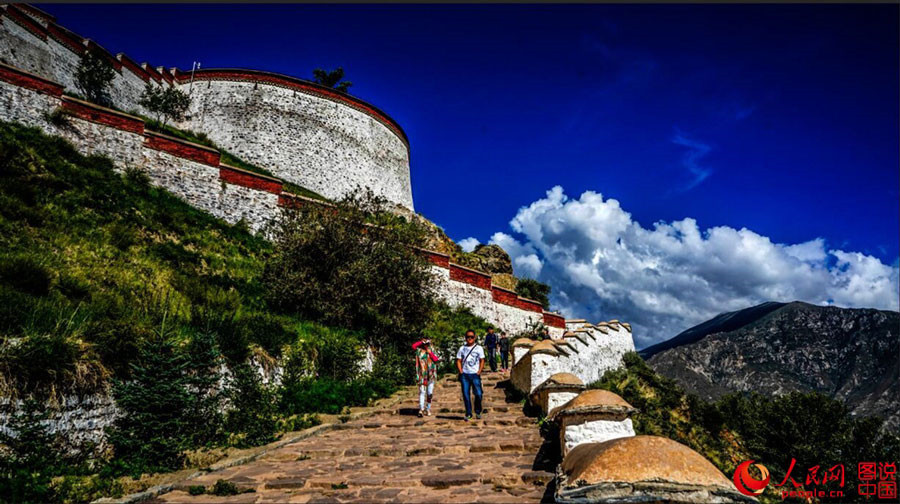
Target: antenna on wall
[{"x": 195, "y": 66}]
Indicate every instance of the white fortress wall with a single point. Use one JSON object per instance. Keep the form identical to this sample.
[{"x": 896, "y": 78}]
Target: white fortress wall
[{"x": 327, "y": 141}]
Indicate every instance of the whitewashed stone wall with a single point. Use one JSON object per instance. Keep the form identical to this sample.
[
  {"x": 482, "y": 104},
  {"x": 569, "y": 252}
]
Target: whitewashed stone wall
[
  {"x": 317, "y": 143},
  {"x": 80, "y": 420},
  {"x": 25, "y": 106},
  {"x": 52, "y": 60},
  {"x": 587, "y": 360},
  {"x": 324, "y": 146},
  {"x": 478, "y": 300}
]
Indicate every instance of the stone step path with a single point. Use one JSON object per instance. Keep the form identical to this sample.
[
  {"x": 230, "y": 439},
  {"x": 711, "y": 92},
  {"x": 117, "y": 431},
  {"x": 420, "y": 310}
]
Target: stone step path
[{"x": 395, "y": 456}]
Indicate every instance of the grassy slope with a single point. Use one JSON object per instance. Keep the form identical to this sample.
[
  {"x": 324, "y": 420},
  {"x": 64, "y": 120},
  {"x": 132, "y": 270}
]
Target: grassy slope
[{"x": 90, "y": 260}]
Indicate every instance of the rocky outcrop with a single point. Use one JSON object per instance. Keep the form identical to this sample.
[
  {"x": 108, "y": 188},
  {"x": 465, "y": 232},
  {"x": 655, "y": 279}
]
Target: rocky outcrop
[
  {"x": 489, "y": 258},
  {"x": 774, "y": 349}
]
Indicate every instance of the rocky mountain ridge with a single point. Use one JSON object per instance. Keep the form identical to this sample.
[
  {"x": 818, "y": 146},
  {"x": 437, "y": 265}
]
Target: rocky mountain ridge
[{"x": 852, "y": 355}]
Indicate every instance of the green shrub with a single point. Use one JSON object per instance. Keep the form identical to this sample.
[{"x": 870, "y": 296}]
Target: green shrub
[
  {"x": 532, "y": 289},
  {"x": 29, "y": 460},
  {"x": 252, "y": 419},
  {"x": 196, "y": 490},
  {"x": 150, "y": 434},
  {"x": 224, "y": 488},
  {"x": 331, "y": 266},
  {"x": 167, "y": 103},
  {"x": 328, "y": 396}
]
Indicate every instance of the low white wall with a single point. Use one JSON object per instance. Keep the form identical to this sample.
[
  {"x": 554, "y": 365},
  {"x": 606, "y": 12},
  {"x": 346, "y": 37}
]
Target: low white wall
[
  {"x": 588, "y": 360},
  {"x": 595, "y": 431}
]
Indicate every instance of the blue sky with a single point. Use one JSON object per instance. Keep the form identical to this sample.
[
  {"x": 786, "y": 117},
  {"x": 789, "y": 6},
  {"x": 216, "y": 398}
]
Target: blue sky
[{"x": 779, "y": 119}]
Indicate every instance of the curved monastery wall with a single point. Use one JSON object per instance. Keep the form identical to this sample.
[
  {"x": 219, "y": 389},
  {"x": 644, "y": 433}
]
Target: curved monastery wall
[
  {"x": 329, "y": 143},
  {"x": 313, "y": 136}
]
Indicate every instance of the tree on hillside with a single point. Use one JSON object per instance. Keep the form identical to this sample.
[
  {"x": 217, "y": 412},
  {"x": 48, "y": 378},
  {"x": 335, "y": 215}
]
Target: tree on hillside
[
  {"x": 331, "y": 78},
  {"x": 167, "y": 103},
  {"x": 353, "y": 266},
  {"x": 532, "y": 289},
  {"x": 93, "y": 78}
]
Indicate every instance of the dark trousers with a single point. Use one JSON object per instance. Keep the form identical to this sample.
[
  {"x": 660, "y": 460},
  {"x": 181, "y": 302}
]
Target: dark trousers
[
  {"x": 471, "y": 382},
  {"x": 492, "y": 358},
  {"x": 504, "y": 359}
]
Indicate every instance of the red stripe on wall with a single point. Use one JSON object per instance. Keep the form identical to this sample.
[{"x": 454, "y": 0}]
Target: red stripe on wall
[
  {"x": 24, "y": 79},
  {"x": 101, "y": 115},
  {"x": 554, "y": 320},
  {"x": 249, "y": 179},
  {"x": 471, "y": 277},
  {"x": 181, "y": 148},
  {"x": 504, "y": 296},
  {"x": 26, "y": 21}
]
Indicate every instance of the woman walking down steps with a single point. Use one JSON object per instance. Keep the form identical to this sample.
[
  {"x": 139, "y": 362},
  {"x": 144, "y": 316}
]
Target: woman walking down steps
[{"x": 426, "y": 374}]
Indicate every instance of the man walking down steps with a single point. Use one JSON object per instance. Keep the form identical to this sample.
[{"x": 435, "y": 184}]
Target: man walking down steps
[{"x": 470, "y": 363}]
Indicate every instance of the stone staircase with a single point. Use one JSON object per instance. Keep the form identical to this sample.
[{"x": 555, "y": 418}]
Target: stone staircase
[{"x": 394, "y": 456}]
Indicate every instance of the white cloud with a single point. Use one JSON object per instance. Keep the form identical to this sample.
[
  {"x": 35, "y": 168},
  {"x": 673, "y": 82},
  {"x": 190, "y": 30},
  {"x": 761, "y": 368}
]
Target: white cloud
[
  {"x": 469, "y": 244},
  {"x": 602, "y": 265}
]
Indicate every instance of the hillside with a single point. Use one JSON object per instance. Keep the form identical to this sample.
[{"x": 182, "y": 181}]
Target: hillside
[
  {"x": 848, "y": 354},
  {"x": 806, "y": 427}
]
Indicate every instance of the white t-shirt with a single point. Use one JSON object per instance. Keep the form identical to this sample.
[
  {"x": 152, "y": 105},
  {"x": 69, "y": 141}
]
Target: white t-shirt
[{"x": 473, "y": 356}]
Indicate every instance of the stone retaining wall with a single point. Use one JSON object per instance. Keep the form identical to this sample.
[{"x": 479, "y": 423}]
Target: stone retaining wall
[{"x": 327, "y": 141}]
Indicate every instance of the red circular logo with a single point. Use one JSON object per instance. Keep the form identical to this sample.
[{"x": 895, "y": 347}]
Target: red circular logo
[{"x": 746, "y": 483}]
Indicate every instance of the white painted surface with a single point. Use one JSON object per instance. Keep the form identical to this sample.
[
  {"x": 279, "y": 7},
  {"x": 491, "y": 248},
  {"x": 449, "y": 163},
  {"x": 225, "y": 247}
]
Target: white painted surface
[
  {"x": 556, "y": 399},
  {"x": 595, "y": 431}
]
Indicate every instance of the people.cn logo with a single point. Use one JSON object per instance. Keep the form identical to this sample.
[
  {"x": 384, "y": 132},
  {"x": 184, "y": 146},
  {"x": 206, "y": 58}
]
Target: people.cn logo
[{"x": 746, "y": 483}]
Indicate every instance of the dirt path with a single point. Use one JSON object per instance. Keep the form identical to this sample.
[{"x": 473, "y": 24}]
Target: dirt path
[{"x": 394, "y": 456}]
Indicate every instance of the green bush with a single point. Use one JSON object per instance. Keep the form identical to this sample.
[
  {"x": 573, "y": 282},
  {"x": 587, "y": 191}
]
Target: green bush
[
  {"x": 167, "y": 103},
  {"x": 353, "y": 266},
  {"x": 224, "y": 488},
  {"x": 30, "y": 458},
  {"x": 532, "y": 289},
  {"x": 252, "y": 417}
]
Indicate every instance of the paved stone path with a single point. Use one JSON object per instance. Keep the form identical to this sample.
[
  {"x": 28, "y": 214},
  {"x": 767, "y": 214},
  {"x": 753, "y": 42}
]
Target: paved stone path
[{"x": 394, "y": 456}]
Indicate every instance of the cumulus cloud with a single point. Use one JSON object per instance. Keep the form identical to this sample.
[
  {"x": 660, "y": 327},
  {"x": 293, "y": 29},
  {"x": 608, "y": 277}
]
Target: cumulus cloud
[
  {"x": 469, "y": 244},
  {"x": 602, "y": 265}
]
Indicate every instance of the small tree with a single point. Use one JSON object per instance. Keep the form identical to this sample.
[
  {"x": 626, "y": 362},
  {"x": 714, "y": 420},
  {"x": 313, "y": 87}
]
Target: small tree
[
  {"x": 29, "y": 459},
  {"x": 167, "y": 103},
  {"x": 150, "y": 435},
  {"x": 354, "y": 266},
  {"x": 532, "y": 289},
  {"x": 252, "y": 419},
  {"x": 332, "y": 79},
  {"x": 93, "y": 78}
]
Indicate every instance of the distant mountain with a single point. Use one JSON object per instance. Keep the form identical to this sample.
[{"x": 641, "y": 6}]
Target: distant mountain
[{"x": 850, "y": 354}]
